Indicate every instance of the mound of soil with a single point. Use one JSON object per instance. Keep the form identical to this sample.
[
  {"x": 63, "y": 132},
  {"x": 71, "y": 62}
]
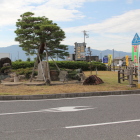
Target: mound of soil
[{"x": 93, "y": 80}]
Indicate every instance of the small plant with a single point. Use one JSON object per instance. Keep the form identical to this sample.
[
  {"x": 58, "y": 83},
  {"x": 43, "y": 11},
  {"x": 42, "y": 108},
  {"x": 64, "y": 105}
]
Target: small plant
[
  {"x": 6, "y": 68},
  {"x": 27, "y": 72},
  {"x": 28, "y": 59}
]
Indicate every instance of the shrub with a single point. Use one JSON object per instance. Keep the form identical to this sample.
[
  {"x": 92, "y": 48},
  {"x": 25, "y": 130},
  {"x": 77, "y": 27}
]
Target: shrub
[
  {"x": 27, "y": 72},
  {"x": 23, "y": 64},
  {"x": 85, "y": 66},
  {"x": 5, "y": 68}
]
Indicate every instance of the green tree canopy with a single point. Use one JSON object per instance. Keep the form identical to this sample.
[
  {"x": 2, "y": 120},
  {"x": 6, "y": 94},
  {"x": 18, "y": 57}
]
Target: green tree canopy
[{"x": 33, "y": 33}]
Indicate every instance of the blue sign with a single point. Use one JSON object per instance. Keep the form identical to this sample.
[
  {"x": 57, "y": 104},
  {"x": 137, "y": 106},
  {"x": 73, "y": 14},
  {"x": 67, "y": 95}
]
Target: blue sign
[
  {"x": 105, "y": 59},
  {"x": 136, "y": 40}
]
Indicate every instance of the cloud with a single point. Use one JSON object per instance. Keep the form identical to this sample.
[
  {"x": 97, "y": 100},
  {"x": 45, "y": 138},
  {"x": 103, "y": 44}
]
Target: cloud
[
  {"x": 58, "y": 10},
  {"x": 5, "y": 43},
  {"x": 127, "y": 22},
  {"x": 116, "y": 32},
  {"x": 129, "y": 1}
]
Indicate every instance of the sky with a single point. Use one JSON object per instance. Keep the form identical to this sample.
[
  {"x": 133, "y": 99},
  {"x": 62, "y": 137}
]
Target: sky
[{"x": 110, "y": 24}]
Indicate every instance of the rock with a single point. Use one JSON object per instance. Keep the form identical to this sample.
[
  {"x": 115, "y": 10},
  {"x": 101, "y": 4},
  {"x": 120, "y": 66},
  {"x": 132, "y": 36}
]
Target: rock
[
  {"x": 21, "y": 77},
  {"x": 4, "y": 60},
  {"x": 6, "y": 64},
  {"x": 8, "y": 79},
  {"x": 12, "y": 74}
]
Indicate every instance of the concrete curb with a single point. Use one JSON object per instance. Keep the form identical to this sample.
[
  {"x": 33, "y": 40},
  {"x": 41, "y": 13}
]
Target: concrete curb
[{"x": 67, "y": 95}]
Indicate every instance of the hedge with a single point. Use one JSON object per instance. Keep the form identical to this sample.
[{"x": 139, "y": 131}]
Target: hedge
[
  {"x": 85, "y": 66},
  {"x": 22, "y": 64}
]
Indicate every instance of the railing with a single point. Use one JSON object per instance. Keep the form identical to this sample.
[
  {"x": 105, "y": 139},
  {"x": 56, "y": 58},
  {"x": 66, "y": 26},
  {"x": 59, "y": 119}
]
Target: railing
[{"x": 127, "y": 74}]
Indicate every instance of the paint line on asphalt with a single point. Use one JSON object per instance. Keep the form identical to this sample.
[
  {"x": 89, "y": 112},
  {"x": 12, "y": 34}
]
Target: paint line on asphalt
[
  {"x": 138, "y": 135},
  {"x": 102, "y": 124},
  {"x": 41, "y": 100},
  {"x": 58, "y": 109},
  {"x": 16, "y": 113}
]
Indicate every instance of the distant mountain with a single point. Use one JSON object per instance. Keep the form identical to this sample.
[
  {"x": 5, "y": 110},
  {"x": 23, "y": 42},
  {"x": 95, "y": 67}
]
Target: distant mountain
[
  {"x": 16, "y": 52},
  {"x": 101, "y": 53}
]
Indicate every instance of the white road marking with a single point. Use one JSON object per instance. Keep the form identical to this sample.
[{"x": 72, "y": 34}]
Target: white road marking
[
  {"x": 68, "y": 109},
  {"x": 138, "y": 135},
  {"x": 101, "y": 124},
  {"x": 58, "y": 109},
  {"x": 40, "y": 100}
]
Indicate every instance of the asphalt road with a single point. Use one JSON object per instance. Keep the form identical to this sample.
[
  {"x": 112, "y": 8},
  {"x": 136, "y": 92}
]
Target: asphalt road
[{"x": 85, "y": 118}]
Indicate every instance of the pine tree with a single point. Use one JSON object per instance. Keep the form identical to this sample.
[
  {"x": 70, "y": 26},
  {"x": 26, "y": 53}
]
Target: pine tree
[{"x": 33, "y": 33}]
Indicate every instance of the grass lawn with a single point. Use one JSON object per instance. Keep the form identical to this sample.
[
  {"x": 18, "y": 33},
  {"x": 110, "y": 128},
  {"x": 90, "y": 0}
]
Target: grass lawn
[{"x": 109, "y": 78}]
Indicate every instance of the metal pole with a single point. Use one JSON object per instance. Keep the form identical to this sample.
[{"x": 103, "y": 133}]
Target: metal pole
[
  {"x": 84, "y": 35},
  {"x": 18, "y": 55},
  {"x": 113, "y": 60}
]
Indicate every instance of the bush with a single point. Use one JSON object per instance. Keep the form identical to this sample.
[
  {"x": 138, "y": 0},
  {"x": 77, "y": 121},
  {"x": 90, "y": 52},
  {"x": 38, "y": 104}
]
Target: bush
[
  {"x": 5, "y": 68},
  {"x": 23, "y": 64},
  {"x": 85, "y": 66},
  {"x": 27, "y": 72}
]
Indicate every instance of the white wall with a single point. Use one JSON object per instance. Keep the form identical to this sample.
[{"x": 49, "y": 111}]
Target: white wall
[{"x": 2, "y": 55}]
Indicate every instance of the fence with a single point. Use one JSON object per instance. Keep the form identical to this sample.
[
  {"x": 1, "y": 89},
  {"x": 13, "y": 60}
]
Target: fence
[{"x": 127, "y": 74}]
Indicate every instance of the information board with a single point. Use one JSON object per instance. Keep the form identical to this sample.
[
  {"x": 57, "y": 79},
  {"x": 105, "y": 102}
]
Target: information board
[
  {"x": 80, "y": 53},
  {"x": 105, "y": 59}
]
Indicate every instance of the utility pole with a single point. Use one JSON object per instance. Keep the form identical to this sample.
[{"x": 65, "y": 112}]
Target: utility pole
[
  {"x": 113, "y": 61},
  {"x": 89, "y": 53},
  {"x": 101, "y": 56},
  {"x": 18, "y": 55},
  {"x": 85, "y": 35}
]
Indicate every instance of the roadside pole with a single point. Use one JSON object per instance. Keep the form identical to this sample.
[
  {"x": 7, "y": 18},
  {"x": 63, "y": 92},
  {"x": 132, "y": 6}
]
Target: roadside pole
[
  {"x": 135, "y": 54},
  {"x": 138, "y": 70}
]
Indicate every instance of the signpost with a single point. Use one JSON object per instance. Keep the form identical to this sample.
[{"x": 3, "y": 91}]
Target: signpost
[
  {"x": 135, "y": 54},
  {"x": 105, "y": 59},
  {"x": 80, "y": 53}
]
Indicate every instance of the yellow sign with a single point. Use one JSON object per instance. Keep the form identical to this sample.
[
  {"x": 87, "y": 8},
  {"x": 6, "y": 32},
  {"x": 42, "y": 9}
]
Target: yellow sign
[
  {"x": 126, "y": 58},
  {"x": 109, "y": 59}
]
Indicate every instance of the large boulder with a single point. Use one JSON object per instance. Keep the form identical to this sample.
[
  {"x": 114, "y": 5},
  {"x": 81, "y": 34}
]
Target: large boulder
[{"x": 4, "y": 60}]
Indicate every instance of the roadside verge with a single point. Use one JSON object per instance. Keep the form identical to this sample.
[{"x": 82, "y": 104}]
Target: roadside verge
[{"x": 67, "y": 95}]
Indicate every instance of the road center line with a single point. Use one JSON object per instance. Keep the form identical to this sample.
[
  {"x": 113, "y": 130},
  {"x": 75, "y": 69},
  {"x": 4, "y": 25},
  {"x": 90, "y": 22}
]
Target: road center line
[{"x": 101, "y": 124}]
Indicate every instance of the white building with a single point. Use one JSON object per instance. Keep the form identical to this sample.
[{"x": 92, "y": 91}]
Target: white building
[{"x": 2, "y": 55}]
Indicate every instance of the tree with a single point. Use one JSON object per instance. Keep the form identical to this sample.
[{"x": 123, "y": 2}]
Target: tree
[
  {"x": 28, "y": 59},
  {"x": 34, "y": 33}
]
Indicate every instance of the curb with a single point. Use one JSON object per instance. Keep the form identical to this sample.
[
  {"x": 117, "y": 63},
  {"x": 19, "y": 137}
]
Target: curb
[{"x": 67, "y": 95}]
